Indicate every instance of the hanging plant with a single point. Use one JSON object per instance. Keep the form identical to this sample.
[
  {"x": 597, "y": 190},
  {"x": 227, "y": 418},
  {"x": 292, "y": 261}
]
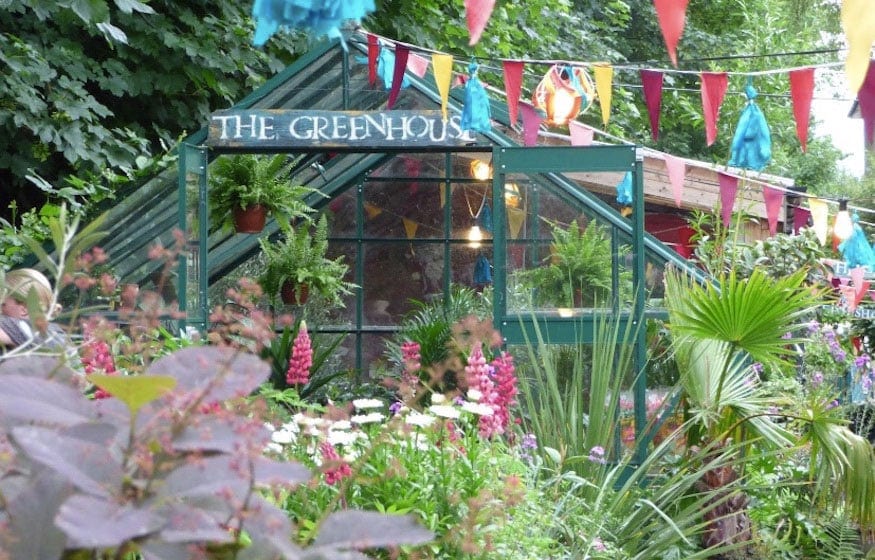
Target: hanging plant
[{"x": 245, "y": 188}]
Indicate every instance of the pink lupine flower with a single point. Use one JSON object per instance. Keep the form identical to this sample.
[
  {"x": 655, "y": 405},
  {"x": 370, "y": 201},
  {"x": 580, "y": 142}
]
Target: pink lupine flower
[
  {"x": 302, "y": 358},
  {"x": 410, "y": 355},
  {"x": 336, "y": 469},
  {"x": 96, "y": 357},
  {"x": 479, "y": 378},
  {"x": 505, "y": 380}
]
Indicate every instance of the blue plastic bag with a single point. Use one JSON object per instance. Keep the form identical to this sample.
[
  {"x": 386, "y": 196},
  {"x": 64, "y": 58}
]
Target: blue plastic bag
[
  {"x": 752, "y": 143},
  {"x": 624, "y": 190},
  {"x": 475, "y": 113}
]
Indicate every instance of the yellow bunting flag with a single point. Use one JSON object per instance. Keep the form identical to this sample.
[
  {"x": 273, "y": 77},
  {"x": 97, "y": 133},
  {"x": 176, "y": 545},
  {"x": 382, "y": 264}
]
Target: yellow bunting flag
[
  {"x": 858, "y": 21},
  {"x": 410, "y": 227},
  {"x": 372, "y": 211},
  {"x": 443, "y": 192},
  {"x": 443, "y": 75},
  {"x": 515, "y": 219},
  {"x": 604, "y": 78},
  {"x": 820, "y": 218}
]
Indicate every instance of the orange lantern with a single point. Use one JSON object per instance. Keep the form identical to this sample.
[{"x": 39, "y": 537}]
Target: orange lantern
[{"x": 563, "y": 93}]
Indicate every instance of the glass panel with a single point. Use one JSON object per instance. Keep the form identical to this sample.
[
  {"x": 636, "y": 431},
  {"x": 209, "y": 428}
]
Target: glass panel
[
  {"x": 403, "y": 210},
  {"x": 471, "y": 266},
  {"x": 342, "y": 214},
  {"x": 395, "y": 274}
]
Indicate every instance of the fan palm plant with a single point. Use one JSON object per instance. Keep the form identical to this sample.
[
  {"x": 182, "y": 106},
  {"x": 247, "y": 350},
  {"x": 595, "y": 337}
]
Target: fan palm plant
[{"x": 719, "y": 331}]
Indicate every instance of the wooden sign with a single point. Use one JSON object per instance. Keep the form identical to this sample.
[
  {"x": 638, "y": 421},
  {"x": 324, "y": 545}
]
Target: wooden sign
[{"x": 334, "y": 129}]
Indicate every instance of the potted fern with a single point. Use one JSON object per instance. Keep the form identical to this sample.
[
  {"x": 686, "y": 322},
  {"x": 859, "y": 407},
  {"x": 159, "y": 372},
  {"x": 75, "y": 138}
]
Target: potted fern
[
  {"x": 245, "y": 188},
  {"x": 578, "y": 270},
  {"x": 296, "y": 266}
]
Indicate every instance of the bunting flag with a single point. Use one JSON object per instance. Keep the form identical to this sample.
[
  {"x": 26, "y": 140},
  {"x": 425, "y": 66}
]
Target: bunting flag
[
  {"x": 477, "y": 13},
  {"x": 677, "y": 171},
  {"x": 581, "y": 135},
  {"x": 515, "y": 219},
  {"x": 513, "y": 83},
  {"x": 443, "y": 75},
  {"x": 866, "y": 98},
  {"x": 801, "y": 92},
  {"x": 858, "y": 21},
  {"x": 604, "y": 80},
  {"x": 774, "y": 199},
  {"x": 860, "y": 288},
  {"x": 417, "y": 64},
  {"x": 714, "y": 86},
  {"x": 651, "y": 82},
  {"x": 402, "y": 52},
  {"x": 672, "y": 16},
  {"x": 372, "y": 210},
  {"x": 800, "y": 218},
  {"x": 820, "y": 218},
  {"x": 532, "y": 119},
  {"x": 373, "y": 52},
  {"x": 728, "y": 190},
  {"x": 410, "y": 227}
]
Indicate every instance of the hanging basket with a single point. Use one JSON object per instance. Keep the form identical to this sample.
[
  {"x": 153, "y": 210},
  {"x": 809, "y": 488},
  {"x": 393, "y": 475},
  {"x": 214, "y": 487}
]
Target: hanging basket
[
  {"x": 294, "y": 294},
  {"x": 251, "y": 219},
  {"x": 563, "y": 93}
]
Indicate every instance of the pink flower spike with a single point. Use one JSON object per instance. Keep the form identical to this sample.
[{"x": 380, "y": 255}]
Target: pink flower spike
[{"x": 302, "y": 358}]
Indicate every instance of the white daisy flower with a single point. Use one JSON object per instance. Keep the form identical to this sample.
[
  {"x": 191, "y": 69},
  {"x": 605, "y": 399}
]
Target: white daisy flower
[
  {"x": 275, "y": 447},
  {"x": 370, "y": 418},
  {"x": 477, "y": 408},
  {"x": 362, "y": 404},
  {"x": 419, "y": 419},
  {"x": 284, "y": 437},
  {"x": 341, "y": 425},
  {"x": 341, "y": 438},
  {"x": 474, "y": 395},
  {"x": 445, "y": 411},
  {"x": 438, "y": 398}
]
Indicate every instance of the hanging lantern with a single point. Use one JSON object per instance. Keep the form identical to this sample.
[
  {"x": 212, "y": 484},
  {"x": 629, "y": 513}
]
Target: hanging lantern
[
  {"x": 481, "y": 170},
  {"x": 563, "y": 93},
  {"x": 843, "y": 227}
]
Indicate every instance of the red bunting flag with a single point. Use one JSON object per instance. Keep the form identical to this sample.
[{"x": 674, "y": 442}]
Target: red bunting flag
[
  {"x": 774, "y": 199},
  {"x": 651, "y": 81},
  {"x": 532, "y": 119},
  {"x": 677, "y": 171},
  {"x": 728, "y": 190},
  {"x": 866, "y": 98},
  {"x": 513, "y": 83},
  {"x": 714, "y": 86},
  {"x": 477, "y": 13},
  {"x": 402, "y": 52},
  {"x": 800, "y": 218},
  {"x": 373, "y": 53},
  {"x": 672, "y": 15},
  {"x": 581, "y": 135},
  {"x": 801, "y": 92}
]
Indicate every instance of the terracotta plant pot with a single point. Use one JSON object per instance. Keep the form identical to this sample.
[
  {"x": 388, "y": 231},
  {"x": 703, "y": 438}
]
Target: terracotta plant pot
[
  {"x": 250, "y": 220},
  {"x": 289, "y": 293}
]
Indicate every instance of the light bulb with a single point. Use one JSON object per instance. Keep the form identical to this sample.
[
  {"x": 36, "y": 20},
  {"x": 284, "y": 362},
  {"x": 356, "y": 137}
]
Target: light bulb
[
  {"x": 562, "y": 105},
  {"x": 843, "y": 227},
  {"x": 475, "y": 236},
  {"x": 481, "y": 170}
]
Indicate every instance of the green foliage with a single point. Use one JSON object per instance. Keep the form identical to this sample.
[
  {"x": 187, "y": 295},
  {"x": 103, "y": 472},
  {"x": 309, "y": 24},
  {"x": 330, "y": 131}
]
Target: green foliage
[
  {"x": 99, "y": 85},
  {"x": 577, "y": 272},
  {"x": 299, "y": 258},
  {"x": 247, "y": 180},
  {"x": 782, "y": 255}
]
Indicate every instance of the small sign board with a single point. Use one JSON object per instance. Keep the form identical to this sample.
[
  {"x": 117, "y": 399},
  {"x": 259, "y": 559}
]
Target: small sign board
[{"x": 256, "y": 128}]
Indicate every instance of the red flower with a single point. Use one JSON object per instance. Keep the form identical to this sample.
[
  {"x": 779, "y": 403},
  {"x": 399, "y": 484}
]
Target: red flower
[{"x": 302, "y": 358}]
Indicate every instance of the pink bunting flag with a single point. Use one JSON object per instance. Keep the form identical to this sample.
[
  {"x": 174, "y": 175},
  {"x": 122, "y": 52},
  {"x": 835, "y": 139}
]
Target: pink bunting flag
[
  {"x": 773, "y": 198},
  {"x": 651, "y": 82},
  {"x": 373, "y": 53},
  {"x": 417, "y": 64},
  {"x": 861, "y": 286},
  {"x": 532, "y": 119},
  {"x": 800, "y": 218},
  {"x": 801, "y": 92},
  {"x": 513, "y": 83},
  {"x": 677, "y": 171},
  {"x": 477, "y": 13},
  {"x": 714, "y": 86},
  {"x": 672, "y": 16},
  {"x": 581, "y": 135},
  {"x": 402, "y": 52},
  {"x": 866, "y": 98},
  {"x": 728, "y": 190}
]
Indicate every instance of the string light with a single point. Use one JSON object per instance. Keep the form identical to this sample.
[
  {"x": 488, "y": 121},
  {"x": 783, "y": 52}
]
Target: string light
[{"x": 843, "y": 227}]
